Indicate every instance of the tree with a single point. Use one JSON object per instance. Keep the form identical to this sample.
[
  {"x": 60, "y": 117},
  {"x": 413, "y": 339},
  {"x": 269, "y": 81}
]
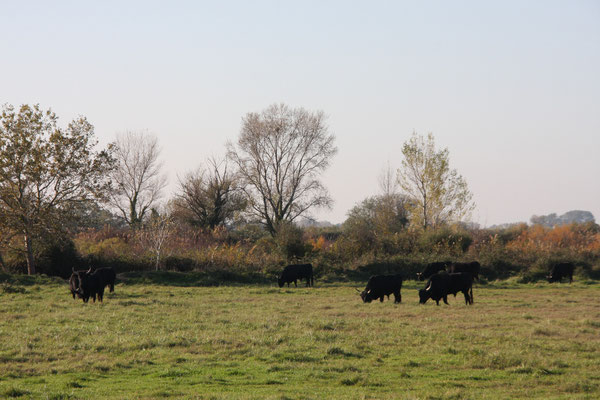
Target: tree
[
  {"x": 376, "y": 218},
  {"x": 280, "y": 154},
  {"x": 210, "y": 196},
  {"x": 573, "y": 216},
  {"x": 45, "y": 172},
  {"x": 137, "y": 178},
  {"x": 156, "y": 233},
  {"x": 388, "y": 182},
  {"x": 437, "y": 193}
]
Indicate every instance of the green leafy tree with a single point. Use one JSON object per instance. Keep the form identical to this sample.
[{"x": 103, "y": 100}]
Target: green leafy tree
[
  {"x": 45, "y": 172},
  {"x": 280, "y": 155},
  {"x": 375, "y": 218},
  {"x": 437, "y": 194}
]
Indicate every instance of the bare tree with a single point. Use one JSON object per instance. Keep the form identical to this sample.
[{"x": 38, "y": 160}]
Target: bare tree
[
  {"x": 156, "y": 233},
  {"x": 210, "y": 196},
  {"x": 280, "y": 154},
  {"x": 388, "y": 181},
  {"x": 138, "y": 180}
]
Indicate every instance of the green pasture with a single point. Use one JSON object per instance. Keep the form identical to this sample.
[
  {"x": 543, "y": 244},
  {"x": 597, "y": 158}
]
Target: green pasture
[{"x": 161, "y": 338}]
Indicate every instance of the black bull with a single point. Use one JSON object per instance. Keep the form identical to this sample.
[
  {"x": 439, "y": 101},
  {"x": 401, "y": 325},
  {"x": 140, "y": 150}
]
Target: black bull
[
  {"x": 442, "y": 284},
  {"x": 294, "y": 272},
  {"x": 92, "y": 284},
  {"x": 560, "y": 271},
  {"x": 379, "y": 286}
]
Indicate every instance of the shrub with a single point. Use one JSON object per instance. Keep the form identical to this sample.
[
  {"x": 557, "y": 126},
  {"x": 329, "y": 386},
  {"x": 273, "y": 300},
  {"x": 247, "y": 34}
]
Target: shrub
[
  {"x": 289, "y": 241},
  {"x": 445, "y": 241}
]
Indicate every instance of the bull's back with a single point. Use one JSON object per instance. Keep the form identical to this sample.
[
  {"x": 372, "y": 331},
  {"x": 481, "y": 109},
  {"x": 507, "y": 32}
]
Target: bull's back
[
  {"x": 387, "y": 283},
  {"x": 471, "y": 268},
  {"x": 564, "y": 268},
  {"x": 460, "y": 281},
  {"x": 106, "y": 274},
  {"x": 298, "y": 270}
]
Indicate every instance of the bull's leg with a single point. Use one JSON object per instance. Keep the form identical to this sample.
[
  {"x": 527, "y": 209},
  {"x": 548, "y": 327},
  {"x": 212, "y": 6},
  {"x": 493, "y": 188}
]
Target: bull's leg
[
  {"x": 397, "y": 297},
  {"x": 467, "y": 298},
  {"x": 112, "y": 287},
  {"x": 296, "y": 282},
  {"x": 381, "y": 298},
  {"x": 471, "y": 293},
  {"x": 437, "y": 302},
  {"x": 446, "y": 299}
]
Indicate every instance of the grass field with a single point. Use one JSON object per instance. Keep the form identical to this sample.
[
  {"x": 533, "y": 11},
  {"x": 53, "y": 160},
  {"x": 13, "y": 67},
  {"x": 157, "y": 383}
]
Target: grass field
[{"x": 152, "y": 340}]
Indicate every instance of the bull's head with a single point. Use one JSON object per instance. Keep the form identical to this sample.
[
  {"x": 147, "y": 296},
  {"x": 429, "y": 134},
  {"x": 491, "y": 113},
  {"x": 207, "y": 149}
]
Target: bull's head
[
  {"x": 425, "y": 294},
  {"x": 366, "y": 296},
  {"x": 82, "y": 280},
  {"x": 419, "y": 276},
  {"x": 280, "y": 282}
]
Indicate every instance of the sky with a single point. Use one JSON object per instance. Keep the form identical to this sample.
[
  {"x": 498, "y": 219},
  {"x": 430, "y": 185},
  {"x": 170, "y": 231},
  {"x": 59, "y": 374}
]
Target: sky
[{"x": 511, "y": 88}]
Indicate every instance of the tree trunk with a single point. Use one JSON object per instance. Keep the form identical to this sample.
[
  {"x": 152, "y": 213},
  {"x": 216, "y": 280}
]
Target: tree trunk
[
  {"x": 2, "y": 264},
  {"x": 29, "y": 255}
]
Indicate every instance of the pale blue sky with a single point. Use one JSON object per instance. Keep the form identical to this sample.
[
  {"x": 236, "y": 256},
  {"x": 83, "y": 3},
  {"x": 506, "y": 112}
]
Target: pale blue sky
[{"x": 511, "y": 88}]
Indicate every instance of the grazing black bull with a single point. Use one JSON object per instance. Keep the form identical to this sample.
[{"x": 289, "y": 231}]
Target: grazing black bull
[
  {"x": 560, "y": 271},
  {"x": 471, "y": 268},
  {"x": 379, "y": 286},
  {"x": 442, "y": 284},
  {"x": 293, "y": 272},
  {"x": 92, "y": 284},
  {"x": 432, "y": 268}
]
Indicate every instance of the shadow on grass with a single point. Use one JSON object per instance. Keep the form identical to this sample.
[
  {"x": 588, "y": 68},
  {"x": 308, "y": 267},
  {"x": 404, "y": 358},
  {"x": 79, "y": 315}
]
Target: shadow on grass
[{"x": 191, "y": 279}]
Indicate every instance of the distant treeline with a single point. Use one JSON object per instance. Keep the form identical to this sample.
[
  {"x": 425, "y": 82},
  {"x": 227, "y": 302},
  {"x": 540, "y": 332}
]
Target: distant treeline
[{"x": 338, "y": 253}]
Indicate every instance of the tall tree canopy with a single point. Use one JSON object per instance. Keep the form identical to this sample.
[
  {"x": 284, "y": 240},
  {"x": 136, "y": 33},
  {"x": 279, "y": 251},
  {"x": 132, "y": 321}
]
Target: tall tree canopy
[
  {"x": 280, "y": 155},
  {"x": 437, "y": 193},
  {"x": 46, "y": 172},
  {"x": 137, "y": 178}
]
